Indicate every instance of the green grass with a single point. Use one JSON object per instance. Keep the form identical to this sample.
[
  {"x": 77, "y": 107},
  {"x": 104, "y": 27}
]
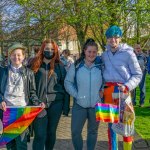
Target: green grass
[{"x": 142, "y": 122}]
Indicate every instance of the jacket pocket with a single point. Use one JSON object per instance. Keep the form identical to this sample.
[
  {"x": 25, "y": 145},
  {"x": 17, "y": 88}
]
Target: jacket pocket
[{"x": 82, "y": 100}]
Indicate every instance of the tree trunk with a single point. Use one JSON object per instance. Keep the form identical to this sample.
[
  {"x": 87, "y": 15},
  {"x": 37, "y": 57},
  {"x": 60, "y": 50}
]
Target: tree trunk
[
  {"x": 81, "y": 38},
  {"x": 138, "y": 27}
]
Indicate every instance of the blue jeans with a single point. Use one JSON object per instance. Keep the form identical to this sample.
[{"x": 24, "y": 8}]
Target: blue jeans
[
  {"x": 45, "y": 127},
  {"x": 142, "y": 91},
  {"x": 79, "y": 117}
]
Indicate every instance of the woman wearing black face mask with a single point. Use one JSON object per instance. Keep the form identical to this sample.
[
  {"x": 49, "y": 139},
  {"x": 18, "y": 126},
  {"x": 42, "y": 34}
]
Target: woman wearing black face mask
[
  {"x": 48, "y": 53},
  {"x": 49, "y": 76}
]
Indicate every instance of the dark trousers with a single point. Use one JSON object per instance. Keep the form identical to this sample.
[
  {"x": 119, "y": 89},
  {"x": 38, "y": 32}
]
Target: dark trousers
[
  {"x": 19, "y": 143},
  {"x": 142, "y": 91},
  {"x": 45, "y": 127},
  {"x": 79, "y": 117}
]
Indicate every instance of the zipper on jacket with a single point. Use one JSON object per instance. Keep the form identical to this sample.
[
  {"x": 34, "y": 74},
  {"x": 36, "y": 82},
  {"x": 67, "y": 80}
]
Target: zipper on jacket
[
  {"x": 25, "y": 86},
  {"x": 46, "y": 83},
  {"x": 90, "y": 87}
]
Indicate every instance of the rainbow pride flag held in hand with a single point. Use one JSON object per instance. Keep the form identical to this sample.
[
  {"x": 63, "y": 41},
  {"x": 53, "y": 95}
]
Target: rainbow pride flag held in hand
[
  {"x": 107, "y": 113},
  {"x": 16, "y": 120}
]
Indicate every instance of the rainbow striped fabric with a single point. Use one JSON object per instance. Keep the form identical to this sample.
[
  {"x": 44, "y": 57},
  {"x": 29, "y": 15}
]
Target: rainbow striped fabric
[
  {"x": 16, "y": 120},
  {"x": 107, "y": 113}
]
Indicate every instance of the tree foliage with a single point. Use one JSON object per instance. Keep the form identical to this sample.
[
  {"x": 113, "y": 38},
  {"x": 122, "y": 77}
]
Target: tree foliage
[{"x": 87, "y": 17}]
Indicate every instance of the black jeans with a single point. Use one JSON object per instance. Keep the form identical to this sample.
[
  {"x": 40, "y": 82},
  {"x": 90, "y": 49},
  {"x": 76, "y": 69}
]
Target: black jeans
[
  {"x": 142, "y": 91},
  {"x": 45, "y": 127},
  {"x": 19, "y": 143}
]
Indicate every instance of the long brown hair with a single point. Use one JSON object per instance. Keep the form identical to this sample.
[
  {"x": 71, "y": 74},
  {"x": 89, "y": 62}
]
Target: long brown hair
[{"x": 38, "y": 60}]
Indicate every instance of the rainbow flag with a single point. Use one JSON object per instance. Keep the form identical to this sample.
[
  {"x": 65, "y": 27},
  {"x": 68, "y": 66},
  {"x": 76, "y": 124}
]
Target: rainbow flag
[
  {"x": 107, "y": 113},
  {"x": 16, "y": 120}
]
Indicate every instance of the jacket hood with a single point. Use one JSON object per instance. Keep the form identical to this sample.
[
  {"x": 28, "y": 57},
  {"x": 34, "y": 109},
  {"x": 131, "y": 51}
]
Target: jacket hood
[{"x": 121, "y": 47}]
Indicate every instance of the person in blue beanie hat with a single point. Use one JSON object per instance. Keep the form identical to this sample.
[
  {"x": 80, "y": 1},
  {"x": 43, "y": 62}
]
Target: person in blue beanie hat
[{"x": 121, "y": 72}]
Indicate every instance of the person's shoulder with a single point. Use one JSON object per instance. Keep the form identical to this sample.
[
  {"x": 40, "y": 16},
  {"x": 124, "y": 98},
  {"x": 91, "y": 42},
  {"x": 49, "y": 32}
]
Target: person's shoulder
[
  {"x": 98, "y": 60},
  {"x": 28, "y": 70},
  {"x": 144, "y": 55},
  {"x": 60, "y": 65},
  {"x": 104, "y": 53},
  {"x": 72, "y": 67},
  {"x": 1, "y": 68},
  {"x": 125, "y": 48}
]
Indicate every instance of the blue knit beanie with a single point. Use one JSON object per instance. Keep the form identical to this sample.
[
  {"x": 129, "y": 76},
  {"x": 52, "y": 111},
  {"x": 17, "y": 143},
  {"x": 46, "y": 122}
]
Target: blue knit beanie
[{"x": 113, "y": 31}]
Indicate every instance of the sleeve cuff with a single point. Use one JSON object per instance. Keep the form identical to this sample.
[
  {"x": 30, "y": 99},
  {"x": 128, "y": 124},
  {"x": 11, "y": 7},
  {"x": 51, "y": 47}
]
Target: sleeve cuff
[{"x": 126, "y": 89}]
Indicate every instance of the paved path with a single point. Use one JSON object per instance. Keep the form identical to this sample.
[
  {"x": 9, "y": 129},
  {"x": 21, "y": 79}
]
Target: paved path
[{"x": 64, "y": 138}]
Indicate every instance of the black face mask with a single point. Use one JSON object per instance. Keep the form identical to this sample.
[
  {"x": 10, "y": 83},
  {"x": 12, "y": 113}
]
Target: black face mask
[{"x": 48, "y": 54}]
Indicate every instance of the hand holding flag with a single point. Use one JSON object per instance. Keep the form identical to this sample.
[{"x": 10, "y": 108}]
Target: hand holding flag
[{"x": 16, "y": 120}]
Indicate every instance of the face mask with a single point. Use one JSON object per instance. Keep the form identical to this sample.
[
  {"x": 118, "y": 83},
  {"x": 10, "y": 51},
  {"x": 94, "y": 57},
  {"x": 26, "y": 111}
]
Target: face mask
[{"x": 48, "y": 54}]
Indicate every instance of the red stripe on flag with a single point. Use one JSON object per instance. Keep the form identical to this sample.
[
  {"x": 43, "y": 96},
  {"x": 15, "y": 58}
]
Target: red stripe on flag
[{"x": 25, "y": 119}]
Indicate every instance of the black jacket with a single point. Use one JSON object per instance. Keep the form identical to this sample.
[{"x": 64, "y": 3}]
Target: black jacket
[
  {"x": 29, "y": 84},
  {"x": 52, "y": 89}
]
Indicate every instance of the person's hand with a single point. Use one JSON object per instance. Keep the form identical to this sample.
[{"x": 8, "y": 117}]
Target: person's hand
[
  {"x": 42, "y": 105},
  {"x": 3, "y": 106},
  {"x": 121, "y": 87},
  {"x": 66, "y": 112},
  {"x": 101, "y": 93}
]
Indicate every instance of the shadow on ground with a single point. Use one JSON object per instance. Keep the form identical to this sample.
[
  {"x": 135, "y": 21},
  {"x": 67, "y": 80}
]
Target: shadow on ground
[{"x": 66, "y": 144}]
